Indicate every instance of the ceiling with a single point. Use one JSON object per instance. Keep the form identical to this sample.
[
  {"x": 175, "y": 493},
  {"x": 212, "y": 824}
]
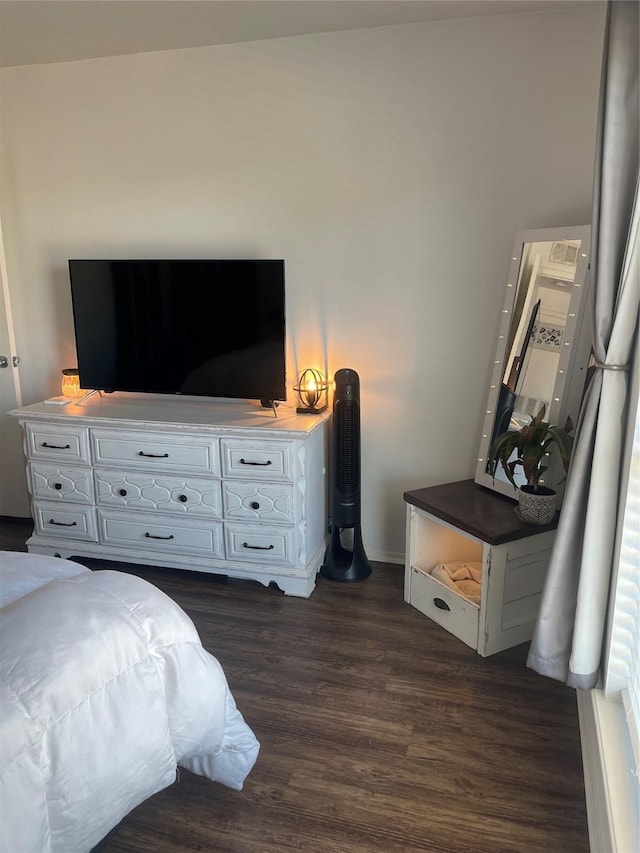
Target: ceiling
[{"x": 44, "y": 31}]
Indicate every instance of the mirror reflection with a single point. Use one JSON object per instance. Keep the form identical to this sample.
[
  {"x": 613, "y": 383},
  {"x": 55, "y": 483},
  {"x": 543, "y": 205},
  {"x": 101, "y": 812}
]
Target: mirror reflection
[
  {"x": 543, "y": 343},
  {"x": 536, "y": 333}
]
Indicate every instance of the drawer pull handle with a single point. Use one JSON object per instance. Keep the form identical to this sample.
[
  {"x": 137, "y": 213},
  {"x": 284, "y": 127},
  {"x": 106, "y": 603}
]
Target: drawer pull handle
[
  {"x": 122, "y": 493},
  {"x": 57, "y": 486},
  {"x": 258, "y": 547},
  {"x": 244, "y": 462},
  {"x": 183, "y": 499},
  {"x": 153, "y": 455},
  {"x": 440, "y": 604},
  {"x": 63, "y": 523},
  {"x": 255, "y": 505},
  {"x": 151, "y": 536},
  {"x": 56, "y": 446}
]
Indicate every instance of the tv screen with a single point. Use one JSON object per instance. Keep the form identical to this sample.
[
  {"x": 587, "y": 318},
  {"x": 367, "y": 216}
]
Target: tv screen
[{"x": 213, "y": 328}]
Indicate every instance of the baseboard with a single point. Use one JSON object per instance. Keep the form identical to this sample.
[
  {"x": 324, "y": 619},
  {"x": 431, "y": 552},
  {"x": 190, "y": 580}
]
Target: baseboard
[
  {"x": 385, "y": 556},
  {"x": 611, "y": 789}
]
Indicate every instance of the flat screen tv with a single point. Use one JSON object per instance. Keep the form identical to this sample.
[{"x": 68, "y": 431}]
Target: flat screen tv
[{"x": 212, "y": 328}]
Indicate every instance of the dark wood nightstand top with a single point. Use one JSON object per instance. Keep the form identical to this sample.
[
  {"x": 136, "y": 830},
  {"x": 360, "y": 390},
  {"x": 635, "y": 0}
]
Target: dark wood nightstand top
[{"x": 473, "y": 509}]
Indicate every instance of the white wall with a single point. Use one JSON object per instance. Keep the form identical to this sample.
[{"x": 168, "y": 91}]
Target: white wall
[{"x": 390, "y": 168}]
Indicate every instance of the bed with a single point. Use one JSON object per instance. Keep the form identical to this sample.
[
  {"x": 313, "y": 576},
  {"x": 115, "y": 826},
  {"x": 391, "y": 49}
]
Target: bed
[{"x": 105, "y": 689}]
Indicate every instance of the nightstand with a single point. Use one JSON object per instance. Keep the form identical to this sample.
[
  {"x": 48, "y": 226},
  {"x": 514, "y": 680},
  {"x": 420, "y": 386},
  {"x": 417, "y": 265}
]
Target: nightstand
[{"x": 462, "y": 521}]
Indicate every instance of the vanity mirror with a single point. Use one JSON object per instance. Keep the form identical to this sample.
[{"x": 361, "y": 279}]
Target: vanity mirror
[{"x": 544, "y": 342}]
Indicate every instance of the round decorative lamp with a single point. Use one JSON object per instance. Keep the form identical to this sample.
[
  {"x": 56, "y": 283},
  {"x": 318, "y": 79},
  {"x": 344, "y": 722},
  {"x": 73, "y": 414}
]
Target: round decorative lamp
[
  {"x": 311, "y": 389},
  {"x": 71, "y": 383}
]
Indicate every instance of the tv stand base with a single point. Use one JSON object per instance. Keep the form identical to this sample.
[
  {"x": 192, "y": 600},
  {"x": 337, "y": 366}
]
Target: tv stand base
[
  {"x": 81, "y": 400},
  {"x": 270, "y": 404}
]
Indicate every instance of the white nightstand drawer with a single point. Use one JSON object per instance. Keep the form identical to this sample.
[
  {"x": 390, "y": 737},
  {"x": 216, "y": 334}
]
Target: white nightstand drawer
[
  {"x": 57, "y": 442},
  {"x": 182, "y": 535},
  {"x": 258, "y": 501},
  {"x": 64, "y": 521},
  {"x": 60, "y": 483},
  {"x": 259, "y": 544},
  {"x": 441, "y": 604},
  {"x": 159, "y": 493},
  {"x": 155, "y": 451},
  {"x": 266, "y": 460}
]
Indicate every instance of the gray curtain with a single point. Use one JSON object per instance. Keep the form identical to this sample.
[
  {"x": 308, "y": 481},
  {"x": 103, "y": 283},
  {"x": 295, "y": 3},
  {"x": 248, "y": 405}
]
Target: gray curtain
[{"x": 568, "y": 641}]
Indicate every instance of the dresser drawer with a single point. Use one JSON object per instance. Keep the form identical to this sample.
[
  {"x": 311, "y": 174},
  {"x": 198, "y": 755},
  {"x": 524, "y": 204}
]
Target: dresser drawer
[
  {"x": 258, "y": 501},
  {"x": 60, "y": 483},
  {"x": 444, "y": 606},
  {"x": 155, "y": 451},
  {"x": 264, "y": 460},
  {"x": 147, "y": 532},
  {"x": 259, "y": 544},
  {"x": 65, "y": 521},
  {"x": 158, "y": 493},
  {"x": 57, "y": 442}
]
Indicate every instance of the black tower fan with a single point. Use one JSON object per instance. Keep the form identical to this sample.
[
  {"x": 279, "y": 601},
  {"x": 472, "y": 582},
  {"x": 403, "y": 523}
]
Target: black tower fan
[{"x": 344, "y": 561}]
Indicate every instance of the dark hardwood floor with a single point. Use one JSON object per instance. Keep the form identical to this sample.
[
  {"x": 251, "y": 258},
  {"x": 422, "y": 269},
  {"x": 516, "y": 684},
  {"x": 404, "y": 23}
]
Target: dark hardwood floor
[{"x": 379, "y": 731}]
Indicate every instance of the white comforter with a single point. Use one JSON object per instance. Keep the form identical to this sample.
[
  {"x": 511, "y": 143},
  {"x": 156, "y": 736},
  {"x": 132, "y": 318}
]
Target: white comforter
[{"x": 104, "y": 689}]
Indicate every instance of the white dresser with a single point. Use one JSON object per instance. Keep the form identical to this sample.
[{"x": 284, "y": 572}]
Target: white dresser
[{"x": 220, "y": 487}]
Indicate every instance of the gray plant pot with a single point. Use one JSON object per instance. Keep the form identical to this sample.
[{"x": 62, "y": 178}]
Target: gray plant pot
[{"x": 536, "y": 507}]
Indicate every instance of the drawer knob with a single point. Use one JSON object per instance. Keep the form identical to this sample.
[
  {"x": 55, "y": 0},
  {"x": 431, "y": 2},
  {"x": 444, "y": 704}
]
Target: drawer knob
[
  {"x": 57, "y": 486},
  {"x": 183, "y": 499},
  {"x": 255, "y": 505},
  {"x": 258, "y": 547},
  {"x": 151, "y": 536},
  {"x": 153, "y": 455},
  {"x": 63, "y": 523},
  {"x": 440, "y": 604},
  {"x": 246, "y": 462},
  {"x": 122, "y": 493},
  {"x": 56, "y": 446}
]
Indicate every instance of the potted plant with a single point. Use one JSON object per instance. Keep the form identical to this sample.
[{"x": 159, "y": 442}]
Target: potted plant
[{"x": 528, "y": 447}]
